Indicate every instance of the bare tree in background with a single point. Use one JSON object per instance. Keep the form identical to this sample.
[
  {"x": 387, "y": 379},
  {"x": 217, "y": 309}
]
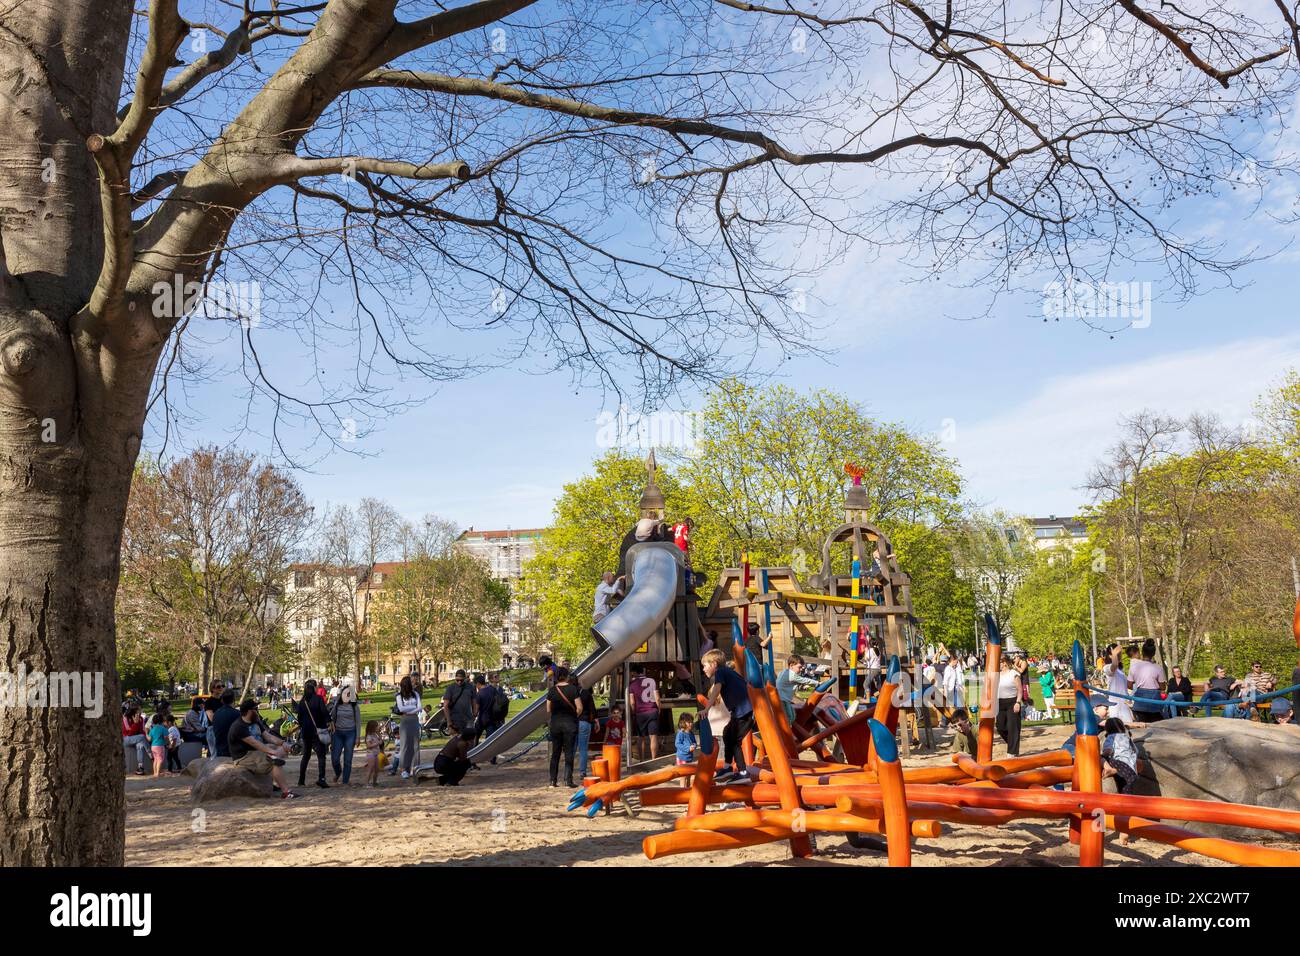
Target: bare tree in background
[{"x": 629, "y": 192}]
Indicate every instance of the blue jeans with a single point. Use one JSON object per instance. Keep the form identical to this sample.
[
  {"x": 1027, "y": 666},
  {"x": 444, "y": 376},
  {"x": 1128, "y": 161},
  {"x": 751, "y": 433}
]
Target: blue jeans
[
  {"x": 212, "y": 742},
  {"x": 344, "y": 741},
  {"x": 584, "y": 738},
  {"x": 1147, "y": 712},
  {"x": 1211, "y": 696},
  {"x": 1171, "y": 712}
]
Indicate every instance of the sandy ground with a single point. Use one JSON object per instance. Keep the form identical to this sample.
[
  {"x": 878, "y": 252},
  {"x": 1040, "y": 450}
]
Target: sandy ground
[{"x": 508, "y": 816}]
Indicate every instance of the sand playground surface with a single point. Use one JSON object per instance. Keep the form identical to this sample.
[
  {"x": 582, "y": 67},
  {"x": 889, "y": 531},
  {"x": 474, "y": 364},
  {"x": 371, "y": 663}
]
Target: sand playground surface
[{"x": 509, "y": 816}]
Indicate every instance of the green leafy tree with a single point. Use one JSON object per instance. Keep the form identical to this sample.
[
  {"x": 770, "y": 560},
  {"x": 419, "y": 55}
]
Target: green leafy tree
[
  {"x": 1050, "y": 608},
  {"x": 592, "y": 516}
]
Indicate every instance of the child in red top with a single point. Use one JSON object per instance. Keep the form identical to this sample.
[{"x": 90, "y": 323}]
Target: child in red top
[{"x": 614, "y": 726}]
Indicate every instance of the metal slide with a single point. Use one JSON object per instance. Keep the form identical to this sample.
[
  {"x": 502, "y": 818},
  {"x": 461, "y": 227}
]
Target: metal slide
[{"x": 655, "y": 579}]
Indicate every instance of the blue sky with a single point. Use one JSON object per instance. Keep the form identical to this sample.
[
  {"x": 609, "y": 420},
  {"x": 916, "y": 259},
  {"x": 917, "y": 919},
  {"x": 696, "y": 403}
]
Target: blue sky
[
  {"x": 1024, "y": 406},
  {"x": 1031, "y": 404}
]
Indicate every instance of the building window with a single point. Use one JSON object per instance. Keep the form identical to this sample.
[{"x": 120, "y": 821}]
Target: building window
[{"x": 304, "y": 579}]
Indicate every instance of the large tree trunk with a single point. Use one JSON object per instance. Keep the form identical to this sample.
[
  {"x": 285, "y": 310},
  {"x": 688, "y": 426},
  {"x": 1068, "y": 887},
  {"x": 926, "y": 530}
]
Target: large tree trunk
[{"x": 65, "y": 459}]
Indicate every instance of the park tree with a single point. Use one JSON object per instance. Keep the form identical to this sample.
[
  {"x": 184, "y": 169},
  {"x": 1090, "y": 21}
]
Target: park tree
[
  {"x": 351, "y": 541},
  {"x": 459, "y": 169},
  {"x": 993, "y": 552},
  {"x": 207, "y": 542},
  {"x": 1050, "y": 608},
  {"x": 1166, "y": 514},
  {"x": 443, "y": 607}
]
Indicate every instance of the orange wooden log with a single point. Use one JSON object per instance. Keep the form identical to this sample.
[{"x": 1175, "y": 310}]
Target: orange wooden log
[
  {"x": 696, "y": 841},
  {"x": 1242, "y": 854},
  {"x": 609, "y": 791},
  {"x": 920, "y": 812},
  {"x": 887, "y": 714},
  {"x": 893, "y": 796},
  {"x": 978, "y": 770},
  {"x": 1295, "y": 622},
  {"x": 672, "y": 796},
  {"x": 783, "y": 725},
  {"x": 989, "y": 700},
  {"x": 1091, "y": 833},
  {"x": 1044, "y": 777},
  {"x": 600, "y": 768},
  {"x": 1048, "y": 758},
  {"x": 1062, "y": 803},
  {"x": 702, "y": 784},
  {"x": 800, "y": 845},
  {"x": 613, "y": 754}
]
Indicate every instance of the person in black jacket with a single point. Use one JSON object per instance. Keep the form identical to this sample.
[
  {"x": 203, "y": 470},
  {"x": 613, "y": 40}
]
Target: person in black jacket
[
  {"x": 1178, "y": 684},
  {"x": 564, "y": 705},
  {"x": 312, "y": 717}
]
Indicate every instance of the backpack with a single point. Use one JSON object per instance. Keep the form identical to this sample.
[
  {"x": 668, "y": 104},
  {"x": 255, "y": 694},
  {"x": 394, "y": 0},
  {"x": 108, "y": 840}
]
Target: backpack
[{"x": 500, "y": 706}]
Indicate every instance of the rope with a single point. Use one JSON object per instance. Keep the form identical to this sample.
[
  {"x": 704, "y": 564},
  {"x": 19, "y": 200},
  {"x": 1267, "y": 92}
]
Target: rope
[
  {"x": 1159, "y": 703},
  {"x": 513, "y": 757}
]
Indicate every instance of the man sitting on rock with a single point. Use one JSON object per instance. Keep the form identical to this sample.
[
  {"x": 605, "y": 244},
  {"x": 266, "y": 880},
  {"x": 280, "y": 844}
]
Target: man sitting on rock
[{"x": 252, "y": 753}]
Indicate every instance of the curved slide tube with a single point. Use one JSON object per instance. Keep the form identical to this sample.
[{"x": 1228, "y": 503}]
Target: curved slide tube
[{"x": 656, "y": 575}]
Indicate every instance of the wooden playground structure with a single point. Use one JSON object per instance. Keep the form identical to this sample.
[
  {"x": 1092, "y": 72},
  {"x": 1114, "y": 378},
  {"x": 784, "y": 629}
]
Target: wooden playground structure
[{"x": 854, "y": 782}]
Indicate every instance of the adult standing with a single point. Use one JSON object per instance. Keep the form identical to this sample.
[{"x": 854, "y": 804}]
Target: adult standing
[
  {"x": 564, "y": 706},
  {"x": 408, "y": 706},
  {"x": 1117, "y": 683},
  {"x": 954, "y": 681},
  {"x": 643, "y": 704},
  {"x": 485, "y": 701},
  {"x": 1146, "y": 677},
  {"x": 458, "y": 705},
  {"x": 313, "y": 718},
  {"x": 1009, "y": 707},
  {"x": 1177, "y": 688},
  {"x": 345, "y": 725}
]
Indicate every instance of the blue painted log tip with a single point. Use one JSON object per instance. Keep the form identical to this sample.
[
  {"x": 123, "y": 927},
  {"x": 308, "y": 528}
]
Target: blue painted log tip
[
  {"x": 595, "y": 808},
  {"x": 769, "y": 673},
  {"x": 735, "y": 631},
  {"x": 753, "y": 670},
  {"x": 706, "y": 736},
  {"x": 1085, "y": 719},
  {"x": 1077, "y": 662},
  {"x": 894, "y": 669},
  {"x": 995, "y": 635},
  {"x": 886, "y": 746},
  {"x": 825, "y": 685}
]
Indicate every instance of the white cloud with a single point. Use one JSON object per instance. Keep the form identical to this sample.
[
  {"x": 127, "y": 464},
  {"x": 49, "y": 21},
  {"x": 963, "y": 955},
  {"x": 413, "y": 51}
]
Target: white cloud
[{"x": 1034, "y": 457}]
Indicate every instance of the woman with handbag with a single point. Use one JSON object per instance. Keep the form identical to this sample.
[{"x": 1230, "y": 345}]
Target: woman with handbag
[
  {"x": 564, "y": 705},
  {"x": 313, "y": 719}
]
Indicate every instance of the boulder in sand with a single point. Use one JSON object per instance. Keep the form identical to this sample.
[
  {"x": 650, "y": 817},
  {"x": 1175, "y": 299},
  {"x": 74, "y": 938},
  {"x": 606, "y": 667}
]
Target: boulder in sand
[
  {"x": 220, "y": 779},
  {"x": 1215, "y": 758}
]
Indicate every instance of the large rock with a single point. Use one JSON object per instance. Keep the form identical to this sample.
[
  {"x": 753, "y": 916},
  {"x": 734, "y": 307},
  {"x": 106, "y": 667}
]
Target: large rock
[
  {"x": 220, "y": 779},
  {"x": 1214, "y": 758}
]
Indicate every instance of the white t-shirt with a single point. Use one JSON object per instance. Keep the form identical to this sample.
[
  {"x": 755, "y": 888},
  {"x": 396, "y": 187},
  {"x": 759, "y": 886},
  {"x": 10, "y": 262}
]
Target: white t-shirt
[
  {"x": 1145, "y": 674},
  {"x": 873, "y": 657},
  {"x": 1007, "y": 681},
  {"x": 603, "y": 593}
]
